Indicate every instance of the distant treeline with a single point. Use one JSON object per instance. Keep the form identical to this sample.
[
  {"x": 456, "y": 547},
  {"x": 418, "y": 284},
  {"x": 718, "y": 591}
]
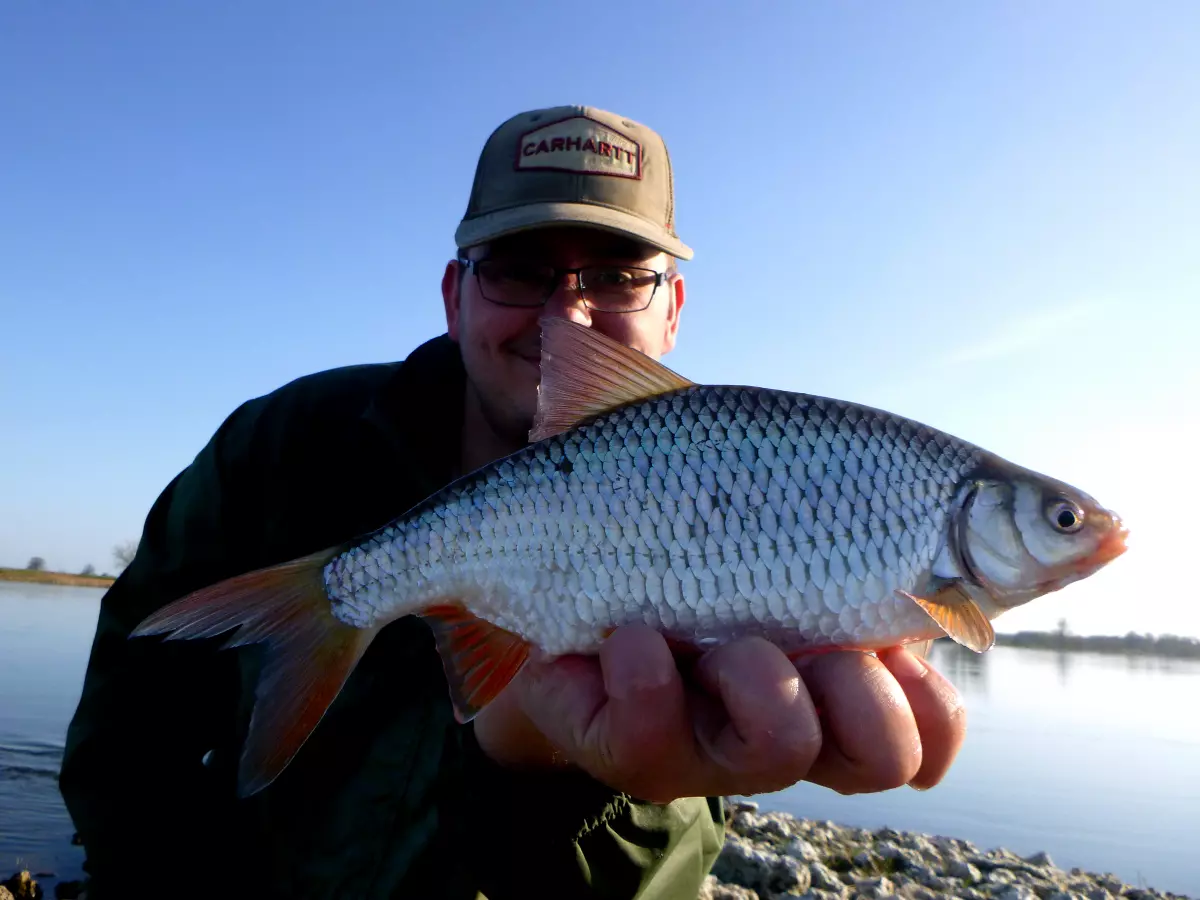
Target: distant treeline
[{"x": 1131, "y": 643}]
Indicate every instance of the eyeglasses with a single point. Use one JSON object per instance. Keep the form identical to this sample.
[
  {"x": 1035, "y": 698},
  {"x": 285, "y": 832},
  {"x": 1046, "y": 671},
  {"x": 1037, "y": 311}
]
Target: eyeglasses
[{"x": 617, "y": 289}]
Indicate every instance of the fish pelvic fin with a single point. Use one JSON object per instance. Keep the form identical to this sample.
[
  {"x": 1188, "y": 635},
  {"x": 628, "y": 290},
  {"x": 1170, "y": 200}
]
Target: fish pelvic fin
[
  {"x": 585, "y": 373},
  {"x": 952, "y": 608},
  {"x": 309, "y": 653},
  {"x": 480, "y": 659}
]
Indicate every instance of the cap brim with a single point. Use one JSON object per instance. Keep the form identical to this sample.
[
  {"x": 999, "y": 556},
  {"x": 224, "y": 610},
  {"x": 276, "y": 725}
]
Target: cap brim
[{"x": 489, "y": 227}]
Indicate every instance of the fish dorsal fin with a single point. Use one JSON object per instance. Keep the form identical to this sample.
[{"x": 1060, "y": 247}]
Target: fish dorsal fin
[
  {"x": 585, "y": 373},
  {"x": 957, "y": 615}
]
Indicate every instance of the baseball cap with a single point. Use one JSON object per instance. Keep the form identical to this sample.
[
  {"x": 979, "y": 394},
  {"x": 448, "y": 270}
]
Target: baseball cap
[{"x": 573, "y": 165}]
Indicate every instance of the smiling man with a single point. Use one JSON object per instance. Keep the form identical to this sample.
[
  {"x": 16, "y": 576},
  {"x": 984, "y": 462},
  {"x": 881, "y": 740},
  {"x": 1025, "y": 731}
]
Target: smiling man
[{"x": 588, "y": 777}]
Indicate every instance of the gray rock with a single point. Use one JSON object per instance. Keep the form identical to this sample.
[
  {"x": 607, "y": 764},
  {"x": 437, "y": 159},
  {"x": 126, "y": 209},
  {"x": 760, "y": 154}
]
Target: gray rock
[
  {"x": 863, "y": 859},
  {"x": 1000, "y": 876},
  {"x": 714, "y": 890},
  {"x": 824, "y": 878},
  {"x": 960, "y": 868},
  {"x": 1112, "y": 883},
  {"x": 926, "y": 876},
  {"x": 798, "y": 848},
  {"x": 1041, "y": 859},
  {"x": 1015, "y": 892},
  {"x": 875, "y": 887},
  {"x": 742, "y": 863},
  {"x": 1098, "y": 893}
]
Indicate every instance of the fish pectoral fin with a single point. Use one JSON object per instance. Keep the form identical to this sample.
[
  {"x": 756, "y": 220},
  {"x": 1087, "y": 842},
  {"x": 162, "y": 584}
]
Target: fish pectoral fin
[
  {"x": 479, "y": 658},
  {"x": 920, "y": 648},
  {"x": 309, "y": 653},
  {"x": 585, "y": 373},
  {"x": 957, "y": 615}
]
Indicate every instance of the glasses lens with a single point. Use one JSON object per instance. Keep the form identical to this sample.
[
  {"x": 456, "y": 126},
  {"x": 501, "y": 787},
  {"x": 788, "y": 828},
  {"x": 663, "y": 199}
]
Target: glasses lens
[
  {"x": 618, "y": 288},
  {"x": 513, "y": 282}
]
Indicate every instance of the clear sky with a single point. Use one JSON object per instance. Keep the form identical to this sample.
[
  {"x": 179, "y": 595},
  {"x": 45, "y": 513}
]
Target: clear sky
[{"x": 985, "y": 216}]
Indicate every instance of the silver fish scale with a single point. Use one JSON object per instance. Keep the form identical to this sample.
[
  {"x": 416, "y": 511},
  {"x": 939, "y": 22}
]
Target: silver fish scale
[{"x": 707, "y": 513}]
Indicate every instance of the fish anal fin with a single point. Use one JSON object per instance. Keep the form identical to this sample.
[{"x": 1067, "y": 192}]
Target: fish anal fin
[
  {"x": 308, "y": 656},
  {"x": 952, "y": 608},
  {"x": 585, "y": 373},
  {"x": 479, "y": 658}
]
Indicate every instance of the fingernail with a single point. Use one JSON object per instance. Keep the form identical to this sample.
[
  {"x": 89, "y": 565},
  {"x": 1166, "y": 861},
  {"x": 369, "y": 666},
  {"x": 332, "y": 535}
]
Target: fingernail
[
  {"x": 905, "y": 665},
  {"x": 636, "y": 675}
]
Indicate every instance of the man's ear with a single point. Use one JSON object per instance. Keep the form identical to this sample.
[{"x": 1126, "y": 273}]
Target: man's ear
[
  {"x": 452, "y": 297},
  {"x": 675, "y": 300}
]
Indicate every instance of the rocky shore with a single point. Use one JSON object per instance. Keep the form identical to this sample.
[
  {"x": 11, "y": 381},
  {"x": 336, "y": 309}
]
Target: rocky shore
[
  {"x": 768, "y": 856},
  {"x": 773, "y": 855}
]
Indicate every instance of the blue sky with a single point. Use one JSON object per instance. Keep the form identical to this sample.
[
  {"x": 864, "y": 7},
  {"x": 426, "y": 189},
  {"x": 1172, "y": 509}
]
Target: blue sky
[{"x": 985, "y": 216}]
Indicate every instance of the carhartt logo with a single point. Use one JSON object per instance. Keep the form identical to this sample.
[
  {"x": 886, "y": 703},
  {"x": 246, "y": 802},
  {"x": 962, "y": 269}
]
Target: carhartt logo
[{"x": 580, "y": 144}]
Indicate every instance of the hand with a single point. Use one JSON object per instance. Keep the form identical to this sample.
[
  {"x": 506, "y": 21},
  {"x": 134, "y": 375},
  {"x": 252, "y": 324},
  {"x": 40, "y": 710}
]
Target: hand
[{"x": 744, "y": 722}]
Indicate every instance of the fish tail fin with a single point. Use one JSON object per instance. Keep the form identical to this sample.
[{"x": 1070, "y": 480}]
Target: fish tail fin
[{"x": 309, "y": 653}]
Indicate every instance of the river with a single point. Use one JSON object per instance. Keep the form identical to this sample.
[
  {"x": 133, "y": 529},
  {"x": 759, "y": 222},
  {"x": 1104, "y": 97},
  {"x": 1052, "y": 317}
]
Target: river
[{"x": 1094, "y": 759}]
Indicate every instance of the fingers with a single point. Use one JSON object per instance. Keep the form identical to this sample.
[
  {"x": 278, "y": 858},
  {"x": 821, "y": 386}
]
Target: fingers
[
  {"x": 746, "y": 726},
  {"x": 872, "y": 739},
  {"x": 938, "y": 710},
  {"x": 622, "y": 716},
  {"x": 744, "y": 722},
  {"x": 759, "y": 727}
]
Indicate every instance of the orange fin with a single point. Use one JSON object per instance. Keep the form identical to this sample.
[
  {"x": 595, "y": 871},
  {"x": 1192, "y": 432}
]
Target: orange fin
[
  {"x": 309, "y": 653},
  {"x": 479, "y": 658},
  {"x": 585, "y": 373},
  {"x": 919, "y": 648},
  {"x": 956, "y": 613}
]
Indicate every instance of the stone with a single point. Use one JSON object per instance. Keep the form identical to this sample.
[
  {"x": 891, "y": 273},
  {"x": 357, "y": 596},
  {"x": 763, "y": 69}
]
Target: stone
[
  {"x": 824, "y": 878},
  {"x": 5, "y": 893},
  {"x": 1041, "y": 859},
  {"x": 863, "y": 860},
  {"x": 960, "y": 868},
  {"x": 798, "y": 848},
  {"x": 875, "y": 887},
  {"x": 714, "y": 890},
  {"x": 1015, "y": 892},
  {"x": 740, "y": 862},
  {"x": 23, "y": 887}
]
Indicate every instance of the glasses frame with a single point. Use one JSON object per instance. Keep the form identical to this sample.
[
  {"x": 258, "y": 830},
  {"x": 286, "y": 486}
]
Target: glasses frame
[{"x": 472, "y": 265}]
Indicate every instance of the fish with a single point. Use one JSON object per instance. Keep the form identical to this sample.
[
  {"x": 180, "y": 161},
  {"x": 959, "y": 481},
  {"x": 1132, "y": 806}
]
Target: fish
[{"x": 708, "y": 512}]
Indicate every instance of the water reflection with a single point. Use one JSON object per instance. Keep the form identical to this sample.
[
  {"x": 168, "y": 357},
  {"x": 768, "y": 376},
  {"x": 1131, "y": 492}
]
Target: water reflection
[{"x": 966, "y": 669}]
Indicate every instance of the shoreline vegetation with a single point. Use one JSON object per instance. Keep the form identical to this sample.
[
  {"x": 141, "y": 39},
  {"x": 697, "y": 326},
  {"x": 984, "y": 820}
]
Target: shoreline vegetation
[
  {"x": 40, "y": 576},
  {"x": 1131, "y": 644}
]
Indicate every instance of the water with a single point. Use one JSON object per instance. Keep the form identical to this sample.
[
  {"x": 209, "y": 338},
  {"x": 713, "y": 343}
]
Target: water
[
  {"x": 1094, "y": 759},
  {"x": 44, "y": 643}
]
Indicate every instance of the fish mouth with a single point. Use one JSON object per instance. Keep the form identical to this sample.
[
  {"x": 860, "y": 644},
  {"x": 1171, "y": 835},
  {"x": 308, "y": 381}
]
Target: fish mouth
[{"x": 1114, "y": 543}]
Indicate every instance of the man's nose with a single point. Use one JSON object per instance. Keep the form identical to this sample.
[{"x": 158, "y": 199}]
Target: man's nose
[{"x": 567, "y": 303}]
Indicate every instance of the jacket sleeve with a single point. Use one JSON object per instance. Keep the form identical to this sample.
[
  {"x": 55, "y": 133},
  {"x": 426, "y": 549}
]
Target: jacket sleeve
[{"x": 133, "y": 776}]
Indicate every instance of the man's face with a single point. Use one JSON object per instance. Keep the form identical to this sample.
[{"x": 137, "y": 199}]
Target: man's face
[{"x": 501, "y": 345}]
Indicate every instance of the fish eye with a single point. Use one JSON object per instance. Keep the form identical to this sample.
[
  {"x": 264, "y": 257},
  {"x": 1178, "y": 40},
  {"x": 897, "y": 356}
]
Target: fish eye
[{"x": 1065, "y": 516}]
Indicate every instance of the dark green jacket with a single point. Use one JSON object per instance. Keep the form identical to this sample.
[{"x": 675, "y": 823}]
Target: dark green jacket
[{"x": 390, "y": 797}]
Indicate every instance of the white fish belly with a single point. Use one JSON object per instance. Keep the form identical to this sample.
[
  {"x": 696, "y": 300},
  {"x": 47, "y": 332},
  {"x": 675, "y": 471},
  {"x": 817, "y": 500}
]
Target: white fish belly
[{"x": 708, "y": 514}]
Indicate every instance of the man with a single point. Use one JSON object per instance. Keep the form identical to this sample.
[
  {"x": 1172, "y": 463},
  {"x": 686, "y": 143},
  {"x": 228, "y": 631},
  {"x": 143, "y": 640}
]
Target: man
[{"x": 588, "y": 777}]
